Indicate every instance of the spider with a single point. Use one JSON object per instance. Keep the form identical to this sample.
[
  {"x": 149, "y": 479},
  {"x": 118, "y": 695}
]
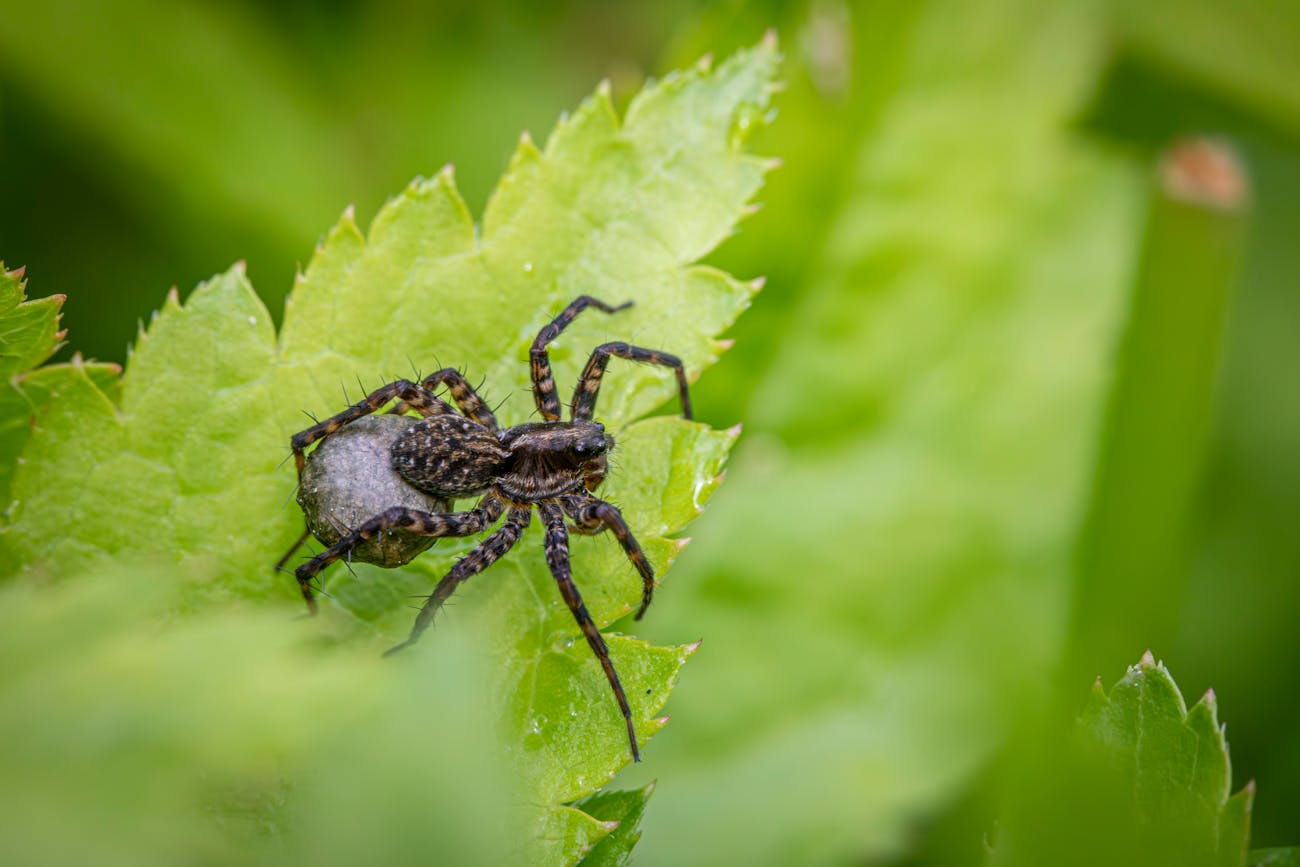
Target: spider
[{"x": 553, "y": 465}]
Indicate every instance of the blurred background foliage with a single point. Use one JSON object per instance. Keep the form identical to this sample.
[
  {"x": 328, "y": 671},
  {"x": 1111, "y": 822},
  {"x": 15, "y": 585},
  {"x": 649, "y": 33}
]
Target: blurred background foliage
[{"x": 1014, "y": 408}]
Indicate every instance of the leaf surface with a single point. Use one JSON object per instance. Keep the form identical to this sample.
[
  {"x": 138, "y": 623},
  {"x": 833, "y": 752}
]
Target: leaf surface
[{"x": 187, "y": 466}]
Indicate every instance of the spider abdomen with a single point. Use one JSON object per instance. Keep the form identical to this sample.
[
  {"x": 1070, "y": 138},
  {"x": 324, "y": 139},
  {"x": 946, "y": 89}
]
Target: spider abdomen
[{"x": 448, "y": 456}]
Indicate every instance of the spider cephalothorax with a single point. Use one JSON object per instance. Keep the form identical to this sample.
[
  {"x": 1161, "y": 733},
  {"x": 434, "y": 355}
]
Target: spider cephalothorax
[{"x": 387, "y": 498}]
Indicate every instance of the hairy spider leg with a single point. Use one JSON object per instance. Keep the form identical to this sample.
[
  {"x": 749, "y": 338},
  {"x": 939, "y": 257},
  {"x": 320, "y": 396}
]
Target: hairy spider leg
[
  {"x": 462, "y": 393},
  {"x": 584, "y": 396},
  {"x": 419, "y": 398},
  {"x": 279, "y": 564},
  {"x": 557, "y": 557},
  {"x": 591, "y": 516},
  {"x": 490, "y": 550},
  {"x": 413, "y": 521},
  {"x": 548, "y": 403}
]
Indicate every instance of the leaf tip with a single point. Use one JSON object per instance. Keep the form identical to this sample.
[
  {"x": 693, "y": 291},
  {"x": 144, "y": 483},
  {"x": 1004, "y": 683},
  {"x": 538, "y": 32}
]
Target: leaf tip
[
  {"x": 758, "y": 283},
  {"x": 604, "y": 89},
  {"x": 688, "y": 650},
  {"x": 17, "y": 273},
  {"x": 705, "y": 63},
  {"x": 447, "y": 174},
  {"x": 610, "y": 826},
  {"x": 770, "y": 39},
  {"x": 350, "y": 213},
  {"x": 1147, "y": 660},
  {"x": 662, "y": 721},
  {"x": 772, "y": 164}
]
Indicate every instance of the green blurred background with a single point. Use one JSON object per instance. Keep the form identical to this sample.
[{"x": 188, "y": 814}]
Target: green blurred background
[{"x": 1013, "y": 413}]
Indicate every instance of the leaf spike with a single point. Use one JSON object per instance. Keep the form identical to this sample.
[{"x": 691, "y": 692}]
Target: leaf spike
[
  {"x": 689, "y": 649},
  {"x": 350, "y": 213},
  {"x": 604, "y": 88},
  {"x": 663, "y": 720},
  {"x": 757, "y": 283},
  {"x": 770, "y": 39},
  {"x": 772, "y": 163},
  {"x": 447, "y": 172},
  {"x": 240, "y": 267},
  {"x": 610, "y": 826},
  {"x": 18, "y": 272},
  {"x": 735, "y": 430},
  {"x": 725, "y": 344},
  {"x": 1147, "y": 660},
  {"x": 705, "y": 63}
]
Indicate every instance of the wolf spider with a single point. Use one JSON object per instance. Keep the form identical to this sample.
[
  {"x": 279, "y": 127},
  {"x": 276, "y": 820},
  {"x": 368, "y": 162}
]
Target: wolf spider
[{"x": 552, "y": 464}]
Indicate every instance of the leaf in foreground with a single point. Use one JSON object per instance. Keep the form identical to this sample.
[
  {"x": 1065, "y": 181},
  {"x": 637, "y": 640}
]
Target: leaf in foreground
[{"x": 186, "y": 465}]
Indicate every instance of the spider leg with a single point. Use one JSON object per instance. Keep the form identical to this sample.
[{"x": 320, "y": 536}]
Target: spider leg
[
  {"x": 279, "y": 564},
  {"x": 543, "y": 382},
  {"x": 411, "y": 520},
  {"x": 462, "y": 393},
  {"x": 491, "y": 549},
  {"x": 557, "y": 557},
  {"x": 591, "y": 516},
  {"x": 584, "y": 396},
  {"x": 408, "y": 392}
]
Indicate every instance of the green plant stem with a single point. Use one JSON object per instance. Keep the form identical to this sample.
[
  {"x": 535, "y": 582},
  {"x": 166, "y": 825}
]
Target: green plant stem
[{"x": 1130, "y": 572}]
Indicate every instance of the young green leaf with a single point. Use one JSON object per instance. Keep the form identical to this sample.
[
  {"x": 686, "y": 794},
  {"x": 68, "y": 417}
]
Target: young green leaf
[
  {"x": 1176, "y": 761},
  {"x": 1144, "y": 780},
  {"x": 185, "y": 465}
]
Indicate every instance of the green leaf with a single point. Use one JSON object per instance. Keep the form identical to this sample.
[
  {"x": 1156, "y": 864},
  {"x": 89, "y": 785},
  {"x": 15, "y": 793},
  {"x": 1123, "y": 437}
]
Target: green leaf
[
  {"x": 232, "y": 737},
  {"x": 186, "y": 467},
  {"x": 880, "y": 584},
  {"x": 1175, "y": 760},
  {"x": 29, "y": 330},
  {"x": 1143, "y": 780},
  {"x": 28, "y": 335},
  {"x": 625, "y": 808}
]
